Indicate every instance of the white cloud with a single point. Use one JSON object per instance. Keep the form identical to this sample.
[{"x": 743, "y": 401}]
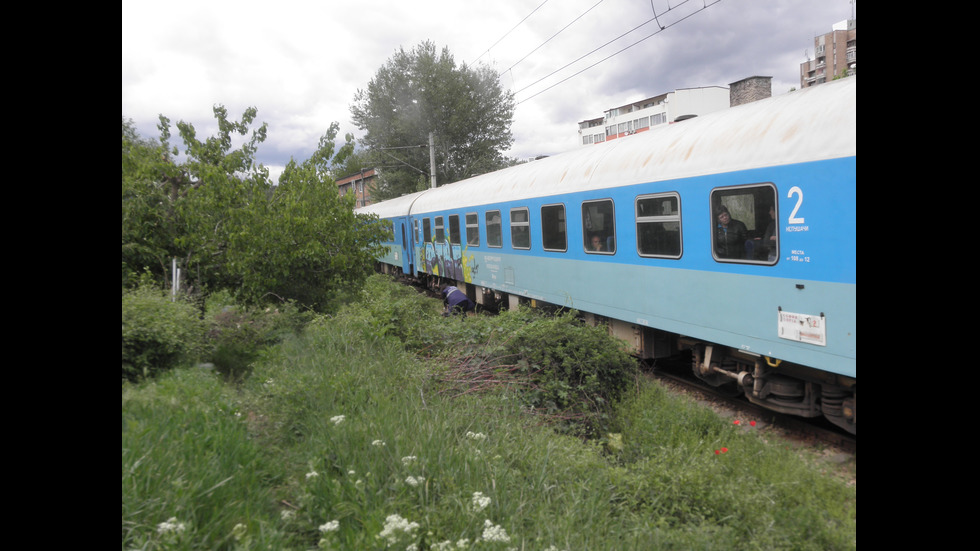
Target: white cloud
[{"x": 301, "y": 62}]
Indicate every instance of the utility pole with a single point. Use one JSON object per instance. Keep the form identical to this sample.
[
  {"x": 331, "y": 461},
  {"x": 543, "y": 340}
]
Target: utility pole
[{"x": 432, "y": 158}]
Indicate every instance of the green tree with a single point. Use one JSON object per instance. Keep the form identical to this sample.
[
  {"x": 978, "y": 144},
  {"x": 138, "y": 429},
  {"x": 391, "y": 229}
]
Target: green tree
[
  {"x": 217, "y": 212},
  {"x": 424, "y": 91},
  {"x": 147, "y": 219},
  {"x": 312, "y": 244}
]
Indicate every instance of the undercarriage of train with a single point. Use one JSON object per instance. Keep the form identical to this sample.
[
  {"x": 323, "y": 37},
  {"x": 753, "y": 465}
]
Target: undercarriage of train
[{"x": 779, "y": 386}]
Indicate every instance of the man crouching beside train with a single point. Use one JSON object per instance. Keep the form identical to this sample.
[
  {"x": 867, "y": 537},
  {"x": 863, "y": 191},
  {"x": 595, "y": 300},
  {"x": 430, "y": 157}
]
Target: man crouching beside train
[{"x": 456, "y": 301}]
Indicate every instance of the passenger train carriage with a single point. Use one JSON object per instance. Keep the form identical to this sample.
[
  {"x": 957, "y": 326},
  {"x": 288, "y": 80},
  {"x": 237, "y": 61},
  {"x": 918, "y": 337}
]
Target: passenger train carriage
[{"x": 774, "y": 318}]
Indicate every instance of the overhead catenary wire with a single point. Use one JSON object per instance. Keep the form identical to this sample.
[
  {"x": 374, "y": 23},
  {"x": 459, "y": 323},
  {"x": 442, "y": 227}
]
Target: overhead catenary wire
[
  {"x": 551, "y": 37},
  {"x": 510, "y": 31},
  {"x": 658, "y": 31}
]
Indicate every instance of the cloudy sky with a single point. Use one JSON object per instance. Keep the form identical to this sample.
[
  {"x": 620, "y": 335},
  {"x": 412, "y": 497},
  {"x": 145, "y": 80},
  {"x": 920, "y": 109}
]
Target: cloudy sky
[{"x": 300, "y": 62}]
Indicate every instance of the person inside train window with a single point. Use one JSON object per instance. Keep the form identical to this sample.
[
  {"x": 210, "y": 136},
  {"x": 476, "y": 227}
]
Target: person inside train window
[
  {"x": 596, "y": 243},
  {"x": 767, "y": 243},
  {"x": 730, "y": 234},
  {"x": 456, "y": 301}
]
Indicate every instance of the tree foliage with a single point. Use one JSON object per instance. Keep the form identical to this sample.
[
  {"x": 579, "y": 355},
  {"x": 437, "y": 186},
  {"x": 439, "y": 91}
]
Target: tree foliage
[
  {"x": 424, "y": 91},
  {"x": 217, "y": 213}
]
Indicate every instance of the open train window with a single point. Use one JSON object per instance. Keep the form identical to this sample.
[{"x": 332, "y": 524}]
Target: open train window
[
  {"x": 553, "y": 231},
  {"x": 658, "y": 225},
  {"x": 599, "y": 227},
  {"x": 426, "y": 230},
  {"x": 743, "y": 224},
  {"x": 494, "y": 238},
  {"x": 440, "y": 230},
  {"x": 454, "y": 229},
  {"x": 472, "y": 229},
  {"x": 520, "y": 228}
]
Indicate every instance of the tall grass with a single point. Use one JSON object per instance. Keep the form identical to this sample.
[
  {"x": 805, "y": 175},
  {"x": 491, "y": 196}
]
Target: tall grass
[{"x": 342, "y": 439}]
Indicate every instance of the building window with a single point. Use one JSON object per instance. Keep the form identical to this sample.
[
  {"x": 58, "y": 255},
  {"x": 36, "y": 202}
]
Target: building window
[
  {"x": 472, "y": 229},
  {"x": 553, "y": 231},
  {"x": 658, "y": 225},
  {"x": 494, "y": 237},
  {"x": 520, "y": 228}
]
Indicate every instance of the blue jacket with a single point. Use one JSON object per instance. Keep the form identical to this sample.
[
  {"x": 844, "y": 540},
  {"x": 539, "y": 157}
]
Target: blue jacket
[{"x": 453, "y": 297}]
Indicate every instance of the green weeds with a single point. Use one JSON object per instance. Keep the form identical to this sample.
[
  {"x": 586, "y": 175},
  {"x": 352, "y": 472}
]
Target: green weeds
[{"x": 361, "y": 433}]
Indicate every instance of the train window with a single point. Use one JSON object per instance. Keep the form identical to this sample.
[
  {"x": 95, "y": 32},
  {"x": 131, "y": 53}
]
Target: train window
[
  {"x": 599, "y": 227},
  {"x": 658, "y": 225},
  {"x": 472, "y": 229},
  {"x": 553, "y": 231},
  {"x": 743, "y": 224},
  {"x": 520, "y": 228},
  {"x": 440, "y": 230},
  {"x": 494, "y": 238},
  {"x": 454, "y": 229},
  {"x": 426, "y": 230}
]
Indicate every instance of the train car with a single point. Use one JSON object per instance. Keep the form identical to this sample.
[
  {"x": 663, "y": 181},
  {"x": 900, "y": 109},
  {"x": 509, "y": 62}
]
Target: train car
[{"x": 731, "y": 235}]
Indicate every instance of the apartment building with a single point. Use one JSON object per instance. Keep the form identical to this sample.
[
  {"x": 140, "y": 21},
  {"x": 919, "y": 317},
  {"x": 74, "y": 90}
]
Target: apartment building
[
  {"x": 642, "y": 115},
  {"x": 835, "y": 55},
  {"x": 360, "y": 184}
]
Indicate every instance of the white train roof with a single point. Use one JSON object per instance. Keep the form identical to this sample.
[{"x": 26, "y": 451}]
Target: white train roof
[{"x": 812, "y": 124}]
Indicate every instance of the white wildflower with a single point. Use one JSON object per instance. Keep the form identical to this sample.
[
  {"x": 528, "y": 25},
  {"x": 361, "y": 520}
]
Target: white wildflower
[
  {"x": 442, "y": 546},
  {"x": 408, "y": 459},
  {"x": 394, "y": 525},
  {"x": 494, "y": 533},
  {"x": 337, "y": 419},
  {"x": 412, "y": 547},
  {"x": 239, "y": 531},
  {"x": 312, "y": 474},
  {"x": 480, "y": 501},
  {"x": 352, "y": 472},
  {"x": 414, "y": 481},
  {"x": 463, "y": 543},
  {"x": 475, "y": 435},
  {"x": 359, "y": 484},
  {"x": 378, "y": 443},
  {"x": 171, "y": 526},
  {"x": 286, "y": 514},
  {"x": 331, "y": 526}
]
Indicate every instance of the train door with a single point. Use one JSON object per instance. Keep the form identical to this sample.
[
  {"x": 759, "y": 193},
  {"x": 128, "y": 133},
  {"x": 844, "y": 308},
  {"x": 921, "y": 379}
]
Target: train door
[{"x": 408, "y": 251}]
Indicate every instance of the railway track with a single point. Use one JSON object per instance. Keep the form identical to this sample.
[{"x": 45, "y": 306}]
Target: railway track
[{"x": 810, "y": 431}]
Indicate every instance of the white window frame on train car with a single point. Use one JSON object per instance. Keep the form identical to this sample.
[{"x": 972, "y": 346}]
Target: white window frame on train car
[
  {"x": 472, "y": 229},
  {"x": 560, "y": 229},
  {"x": 454, "y": 229},
  {"x": 729, "y": 191},
  {"x": 525, "y": 224},
  {"x": 664, "y": 219},
  {"x": 495, "y": 239},
  {"x": 440, "y": 228},
  {"x": 587, "y": 230}
]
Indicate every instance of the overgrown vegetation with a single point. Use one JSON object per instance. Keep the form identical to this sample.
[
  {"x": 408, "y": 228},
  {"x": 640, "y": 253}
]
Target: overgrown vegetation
[{"x": 387, "y": 426}]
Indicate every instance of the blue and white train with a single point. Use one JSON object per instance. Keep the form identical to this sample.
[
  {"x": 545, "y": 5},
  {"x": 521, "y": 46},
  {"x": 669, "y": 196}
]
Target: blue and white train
[{"x": 769, "y": 309}]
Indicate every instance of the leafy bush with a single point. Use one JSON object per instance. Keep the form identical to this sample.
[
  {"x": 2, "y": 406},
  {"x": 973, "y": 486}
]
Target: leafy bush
[
  {"x": 158, "y": 333},
  {"x": 578, "y": 370},
  {"x": 395, "y": 310},
  {"x": 237, "y": 335}
]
